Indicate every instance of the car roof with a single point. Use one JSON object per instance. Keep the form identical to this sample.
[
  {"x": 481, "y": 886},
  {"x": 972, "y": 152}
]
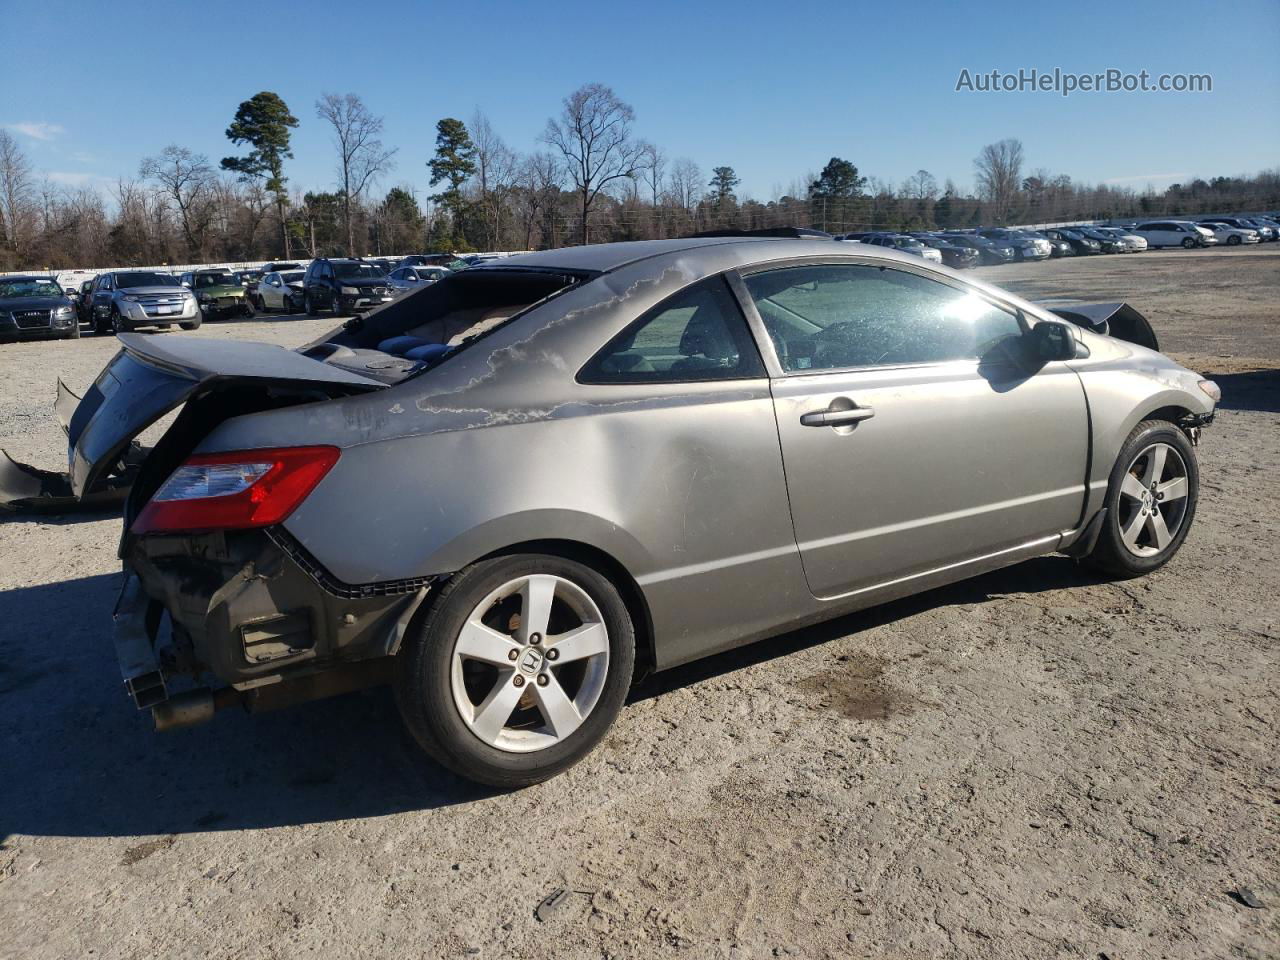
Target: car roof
[
  {"x": 26, "y": 276},
  {"x": 604, "y": 257}
]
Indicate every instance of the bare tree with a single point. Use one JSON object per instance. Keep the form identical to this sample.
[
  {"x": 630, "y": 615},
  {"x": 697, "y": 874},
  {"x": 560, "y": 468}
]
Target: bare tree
[
  {"x": 538, "y": 185},
  {"x": 496, "y": 168},
  {"x": 15, "y": 195},
  {"x": 999, "y": 174},
  {"x": 361, "y": 155},
  {"x": 921, "y": 185},
  {"x": 593, "y": 134},
  {"x": 654, "y": 169},
  {"x": 686, "y": 185},
  {"x": 188, "y": 181}
]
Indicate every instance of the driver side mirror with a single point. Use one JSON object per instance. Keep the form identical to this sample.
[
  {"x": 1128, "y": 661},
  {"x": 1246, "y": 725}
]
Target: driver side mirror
[{"x": 1050, "y": 340}]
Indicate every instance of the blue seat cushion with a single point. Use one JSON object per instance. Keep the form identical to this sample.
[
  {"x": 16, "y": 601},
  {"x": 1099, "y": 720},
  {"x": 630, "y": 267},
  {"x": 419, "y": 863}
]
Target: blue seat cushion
[
  {"x": 428, "y": 351},
  {"x": 399, "y": 346}
]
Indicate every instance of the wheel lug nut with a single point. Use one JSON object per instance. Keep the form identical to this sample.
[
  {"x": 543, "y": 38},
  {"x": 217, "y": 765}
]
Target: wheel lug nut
[
  {"x": 518, "y": 681},
  {"x": 512, "y": 654},
  {"x": 535, "y": 638},
  {"x": 543, "y": 680},
  {"x": 553, "y": 654}
]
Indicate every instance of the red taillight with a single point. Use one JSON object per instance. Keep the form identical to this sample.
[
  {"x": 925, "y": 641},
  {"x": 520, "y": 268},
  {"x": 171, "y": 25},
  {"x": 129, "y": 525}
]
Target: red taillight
[{"x": 233, "y": 491}]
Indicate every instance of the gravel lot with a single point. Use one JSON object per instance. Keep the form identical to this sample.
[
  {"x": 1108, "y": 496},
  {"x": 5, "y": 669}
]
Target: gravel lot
[{"x": 1030, "y": 764}]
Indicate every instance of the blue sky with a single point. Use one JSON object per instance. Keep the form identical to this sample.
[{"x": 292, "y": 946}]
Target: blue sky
[{"x": 771, "y": 89}]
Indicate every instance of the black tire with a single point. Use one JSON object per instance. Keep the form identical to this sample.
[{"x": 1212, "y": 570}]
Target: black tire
[
  {"x": 74, "y": 334},
  {"x": 118, "y": 323},
  {"x": 1110, "y": 553},
  {"x": 190, "y": 324},
  {"x": 423, "y": 687},
  {"x": 1233, "y": 240},
  {"x": 1188, "y": 242},
  {"x": 309, "y": 306},
  {"x": 246, "y": 309}
]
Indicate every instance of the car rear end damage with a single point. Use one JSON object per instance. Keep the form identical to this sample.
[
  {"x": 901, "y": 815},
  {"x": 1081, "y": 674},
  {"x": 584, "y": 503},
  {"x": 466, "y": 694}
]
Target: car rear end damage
[{"x": 216, "y": 593}]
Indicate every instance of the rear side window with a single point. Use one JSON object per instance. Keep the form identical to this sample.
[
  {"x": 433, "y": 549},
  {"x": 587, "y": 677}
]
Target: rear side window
[
  {"x": 697, "y": 334},
  {"x": 832, "y": 317}
]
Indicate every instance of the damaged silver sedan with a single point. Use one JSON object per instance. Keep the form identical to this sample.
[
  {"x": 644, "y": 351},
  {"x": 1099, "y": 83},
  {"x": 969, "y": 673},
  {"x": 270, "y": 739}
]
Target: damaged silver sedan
[{"x": 513, "y": 491}]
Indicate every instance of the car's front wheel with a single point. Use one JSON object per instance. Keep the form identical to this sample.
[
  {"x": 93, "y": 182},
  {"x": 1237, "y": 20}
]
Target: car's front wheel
[
  {"x": 1188, "y": 242},
  {"x": 309, "y": 306},
  {"x": 1233, "y": 240},
  {"x": 118, "y": 323},
  {"x": 517, "y": 670},
  {"x": 1151, "y": 501}
]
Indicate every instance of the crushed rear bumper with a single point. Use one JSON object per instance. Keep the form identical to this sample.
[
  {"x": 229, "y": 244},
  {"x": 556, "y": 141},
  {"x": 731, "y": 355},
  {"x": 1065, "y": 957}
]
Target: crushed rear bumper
[{"x": 251, "y": 610}]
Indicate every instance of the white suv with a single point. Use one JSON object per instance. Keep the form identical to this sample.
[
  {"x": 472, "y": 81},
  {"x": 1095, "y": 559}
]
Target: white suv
[{"x": 1174, "y": 233}]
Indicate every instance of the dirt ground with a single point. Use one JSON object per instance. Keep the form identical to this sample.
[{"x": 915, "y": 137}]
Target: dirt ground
[{"x": 1035, "y": 763}]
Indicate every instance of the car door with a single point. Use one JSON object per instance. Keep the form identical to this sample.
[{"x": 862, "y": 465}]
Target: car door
[{"x": 914, "y": 436}]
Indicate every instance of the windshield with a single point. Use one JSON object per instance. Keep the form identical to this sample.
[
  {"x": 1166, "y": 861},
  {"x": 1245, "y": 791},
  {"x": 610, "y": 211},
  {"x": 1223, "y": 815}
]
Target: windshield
[
  {"x": 29, "y": 288},
  {"x": 357, "y": 271},
  {"x": 907, "y": 242},
  {"x": 214, "y": 280},
  {"x": 124, "y": 280},
  {"x": 295, "y": 277}
]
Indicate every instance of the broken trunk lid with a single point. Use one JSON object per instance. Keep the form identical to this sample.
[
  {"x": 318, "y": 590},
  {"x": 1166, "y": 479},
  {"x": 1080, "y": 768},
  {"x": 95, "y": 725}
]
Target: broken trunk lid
[{"x": 153, "y": 375}]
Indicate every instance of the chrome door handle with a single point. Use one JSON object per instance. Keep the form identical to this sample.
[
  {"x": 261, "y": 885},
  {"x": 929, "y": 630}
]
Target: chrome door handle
[{"x": 836, "y": 418}]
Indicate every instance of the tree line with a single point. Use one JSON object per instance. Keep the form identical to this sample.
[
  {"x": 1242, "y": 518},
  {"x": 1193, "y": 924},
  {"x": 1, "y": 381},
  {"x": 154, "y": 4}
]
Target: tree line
[{"x": 591, "y": 179}]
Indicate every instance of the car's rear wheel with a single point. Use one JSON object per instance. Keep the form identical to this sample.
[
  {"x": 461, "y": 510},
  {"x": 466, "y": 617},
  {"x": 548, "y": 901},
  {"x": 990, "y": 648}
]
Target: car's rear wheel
[
  {"x": 1151, "y": 501},
  {"x": 1233, "y": 240},
  {"x": 517, "y": 670}
]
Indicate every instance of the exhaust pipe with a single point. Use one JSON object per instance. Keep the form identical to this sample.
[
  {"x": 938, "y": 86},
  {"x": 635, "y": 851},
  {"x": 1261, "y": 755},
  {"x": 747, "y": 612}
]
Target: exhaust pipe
[{"x": 191, "y": 708}]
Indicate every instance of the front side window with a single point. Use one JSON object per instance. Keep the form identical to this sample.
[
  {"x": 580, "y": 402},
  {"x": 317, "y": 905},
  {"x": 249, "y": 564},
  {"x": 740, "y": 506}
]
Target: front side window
[
  {"x": 832, "y": 317},
  {"x": 697, "y": 334}
]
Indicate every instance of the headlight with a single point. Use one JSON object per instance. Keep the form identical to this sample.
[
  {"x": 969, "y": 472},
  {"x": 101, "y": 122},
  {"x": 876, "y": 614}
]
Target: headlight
[
  {"x": 206, "y": 298},
  {"x": 350, "y": 292},
  {"x": 63, "y": 313},
  {"x": 1211, "y": 390}
]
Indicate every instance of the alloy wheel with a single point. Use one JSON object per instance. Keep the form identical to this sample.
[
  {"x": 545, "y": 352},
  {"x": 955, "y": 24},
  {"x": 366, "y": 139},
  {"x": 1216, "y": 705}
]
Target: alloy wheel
[
  {"x": 1153, "y": 500},
  {"x": 530, "y": 663}
]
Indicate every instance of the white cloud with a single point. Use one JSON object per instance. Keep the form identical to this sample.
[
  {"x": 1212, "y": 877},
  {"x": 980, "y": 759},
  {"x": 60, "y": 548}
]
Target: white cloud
[
  {"x": 39, "y": 130},
  {"x": 71, "y": 178}
]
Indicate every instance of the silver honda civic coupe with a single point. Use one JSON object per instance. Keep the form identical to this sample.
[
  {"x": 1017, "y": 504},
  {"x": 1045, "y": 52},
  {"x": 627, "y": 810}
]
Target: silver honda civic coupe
[{"x": 513, "y": 491}]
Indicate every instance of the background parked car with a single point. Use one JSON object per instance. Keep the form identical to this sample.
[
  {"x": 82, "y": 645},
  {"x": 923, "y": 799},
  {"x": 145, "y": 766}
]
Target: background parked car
[
  {"x": 1057, "y": 248},
  {"x": 404, "y": 279},
  {"x": 1173, "y": 233},
  {"x": 1229, "y": 235},
  {"x": 1131, "y": 242},
  {"x": 989, "y": 251},
  {"x": 278, "y": 266},
  {"x": 281, "y": 291},
  {"x": 33, "y": 307},
  {"x": 953, "y": 255},
  {"x": 1081, "y": 244},
  {"x": 1025, "y": 246},
  {"x": 1108, "y": 242},
  {"x": 344, "y": 286},
  {"x": 249, "y": 280},
  {"x": 219, "y": 292},
  {"x": 125, "y": 300},
  {"x": 900, "y": 241}
]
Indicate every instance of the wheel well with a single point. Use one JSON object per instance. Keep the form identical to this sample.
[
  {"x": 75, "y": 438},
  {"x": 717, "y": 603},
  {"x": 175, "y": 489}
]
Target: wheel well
[{"x": 617, "y": 574}]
